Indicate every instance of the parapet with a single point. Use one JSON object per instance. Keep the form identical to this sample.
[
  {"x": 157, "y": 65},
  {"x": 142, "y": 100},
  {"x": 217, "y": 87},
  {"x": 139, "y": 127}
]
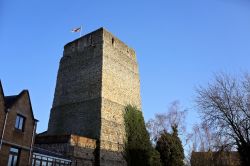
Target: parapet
[{"x": 100, "y": 36}]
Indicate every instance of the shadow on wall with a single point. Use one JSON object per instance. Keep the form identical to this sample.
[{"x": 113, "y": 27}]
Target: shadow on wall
[{"x": 80, "y": 150}]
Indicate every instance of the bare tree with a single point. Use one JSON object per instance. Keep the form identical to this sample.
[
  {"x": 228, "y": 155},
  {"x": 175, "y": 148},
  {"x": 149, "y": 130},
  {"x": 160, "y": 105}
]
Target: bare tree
[
  {"x": 165, "y": 121},
  {"x": 224, "y": 107},
  {"x": 203, "y": 139}
]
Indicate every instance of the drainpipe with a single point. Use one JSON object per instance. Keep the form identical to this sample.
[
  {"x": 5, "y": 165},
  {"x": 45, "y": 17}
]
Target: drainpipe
[
  {"x": 32, "y": 141},
  {"x": 5, "y": 120}
]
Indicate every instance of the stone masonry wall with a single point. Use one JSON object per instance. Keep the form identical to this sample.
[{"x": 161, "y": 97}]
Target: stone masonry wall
[
  {"x": 77, "y": 99},
  {"x": 98, "y": 76},
  {"x": 80, "y": 150},
  {"x": 120, "y": 87},
  {"x": 120, "y": 75}
]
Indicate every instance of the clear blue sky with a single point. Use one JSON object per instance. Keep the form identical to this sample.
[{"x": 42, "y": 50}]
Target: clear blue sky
[{"x": 179, "y": 45}]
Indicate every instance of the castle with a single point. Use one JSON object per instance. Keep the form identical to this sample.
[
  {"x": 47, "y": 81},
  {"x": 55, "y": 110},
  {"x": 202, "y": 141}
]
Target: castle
[{"x": 97, "y": 77}]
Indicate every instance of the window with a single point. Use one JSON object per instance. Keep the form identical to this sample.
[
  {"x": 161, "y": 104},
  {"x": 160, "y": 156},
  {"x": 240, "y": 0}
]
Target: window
[
  {"x": 44, "y": 160},
  {"x": 19, "y": 122},
  {"x": 13, "y": 156}
]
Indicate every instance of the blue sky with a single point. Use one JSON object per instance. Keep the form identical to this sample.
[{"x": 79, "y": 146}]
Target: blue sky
[{"x": 179, "y": 45}]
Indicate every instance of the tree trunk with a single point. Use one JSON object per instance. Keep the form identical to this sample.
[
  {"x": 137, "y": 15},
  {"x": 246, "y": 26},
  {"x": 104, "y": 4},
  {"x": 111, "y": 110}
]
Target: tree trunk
[{"x": 244, "y": 151}]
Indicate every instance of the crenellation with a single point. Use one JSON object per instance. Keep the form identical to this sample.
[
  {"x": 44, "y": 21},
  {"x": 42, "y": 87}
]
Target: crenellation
[{"x": 90, "y": 40}]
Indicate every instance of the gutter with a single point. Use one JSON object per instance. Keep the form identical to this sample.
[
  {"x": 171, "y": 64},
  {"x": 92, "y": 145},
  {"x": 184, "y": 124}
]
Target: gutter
[
  {"x": 5, "y": 120},
  {"x": 32, "y": 140}
]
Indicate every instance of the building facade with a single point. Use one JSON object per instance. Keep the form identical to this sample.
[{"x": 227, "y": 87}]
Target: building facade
[
  {"x": 220, "y": 158},
  {"x": 17, "y": 129},
  {"x": 97, "y": 77}
]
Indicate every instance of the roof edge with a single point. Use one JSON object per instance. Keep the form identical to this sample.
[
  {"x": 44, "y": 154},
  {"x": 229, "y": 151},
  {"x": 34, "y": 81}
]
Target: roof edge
[{"x": 20, "y": 95}]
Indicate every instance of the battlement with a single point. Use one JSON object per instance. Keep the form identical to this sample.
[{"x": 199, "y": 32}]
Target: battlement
[{"x": 97, "y": 37}]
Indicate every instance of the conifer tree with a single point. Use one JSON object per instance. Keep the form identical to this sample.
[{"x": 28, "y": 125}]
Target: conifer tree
[
  {"x": 138, "y": 148},
  {"x": 170, "y": 148}
]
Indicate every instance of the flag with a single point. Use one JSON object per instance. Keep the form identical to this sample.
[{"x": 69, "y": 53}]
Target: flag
[{"x": 76, "y": 29}]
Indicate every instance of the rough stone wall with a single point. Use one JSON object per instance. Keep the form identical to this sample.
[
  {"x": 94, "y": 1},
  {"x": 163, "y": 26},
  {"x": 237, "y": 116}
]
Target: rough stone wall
[
  {"x": 98, "y": 76},
  {"x": 120, "y": 75},
  {"x": 80, "y": 150},
  {"x": 77, "y": 99},
  {"x": 120, "y": 87}
]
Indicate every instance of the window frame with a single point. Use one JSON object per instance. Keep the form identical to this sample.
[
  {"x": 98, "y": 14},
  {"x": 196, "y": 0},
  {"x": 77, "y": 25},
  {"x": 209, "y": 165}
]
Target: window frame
[
  {"x": 12, "y": 155},
  {"x": 41, "y": 159},
  {"x": 18, "y": 122}
]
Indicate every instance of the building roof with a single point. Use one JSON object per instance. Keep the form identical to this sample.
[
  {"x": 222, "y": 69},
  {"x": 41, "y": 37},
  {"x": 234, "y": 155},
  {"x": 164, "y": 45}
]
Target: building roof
[
  {"x": 49, "y": 153},
  {"x": 222, "y": 158},
  {"x": 9, "y": 101}
]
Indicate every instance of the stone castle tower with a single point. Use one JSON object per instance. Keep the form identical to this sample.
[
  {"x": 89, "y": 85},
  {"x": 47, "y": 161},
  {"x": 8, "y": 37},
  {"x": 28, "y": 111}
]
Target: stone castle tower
[{"x": 97, "y": 77}]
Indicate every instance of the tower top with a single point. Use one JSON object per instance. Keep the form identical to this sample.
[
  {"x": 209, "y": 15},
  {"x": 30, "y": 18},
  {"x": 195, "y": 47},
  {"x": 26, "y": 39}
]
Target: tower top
[{"x": 97, "y": 37}]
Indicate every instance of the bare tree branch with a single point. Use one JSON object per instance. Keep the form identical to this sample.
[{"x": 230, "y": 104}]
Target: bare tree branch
[{"x": 225, "y": 107}]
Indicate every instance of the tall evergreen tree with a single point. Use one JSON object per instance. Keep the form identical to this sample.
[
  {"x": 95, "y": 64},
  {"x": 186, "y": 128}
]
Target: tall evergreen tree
[
  {"x": 138, "y": 148},
  {"x": 170, "y": 148}
]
